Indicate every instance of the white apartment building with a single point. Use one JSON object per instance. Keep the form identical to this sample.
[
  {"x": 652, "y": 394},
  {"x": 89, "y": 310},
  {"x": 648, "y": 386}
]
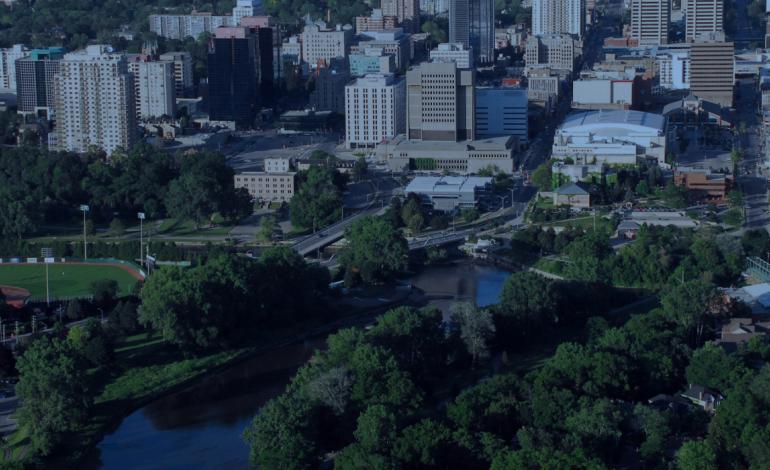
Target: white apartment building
[
  {"x": 453, "y": 52},
  {"x": 244, "y": 8},
  {"x": 650, "y": 20},
  {"x": 674, "y": 69},
  {"x": 183, "y": 71},
  {"x": 154, "y": 89},
  {"x": 88, "y": 115},
  {"x": 321, "y": 44},
  {"x": 558, "y": 16},
  {"x": 8, "y": 58},
  {"x": 703, "y": 16},
  {"x": 183, "y": 26},
  {"x": 375, "y": 110}
]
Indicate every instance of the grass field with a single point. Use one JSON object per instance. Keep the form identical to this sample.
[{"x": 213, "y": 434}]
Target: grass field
[{"x": 65, "y": 280}]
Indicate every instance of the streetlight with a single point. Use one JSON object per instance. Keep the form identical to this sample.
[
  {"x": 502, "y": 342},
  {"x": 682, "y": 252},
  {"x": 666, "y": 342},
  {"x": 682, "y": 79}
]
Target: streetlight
[
  {"x": 85, "y": 208},
  {"x": 140, "y": 215}
]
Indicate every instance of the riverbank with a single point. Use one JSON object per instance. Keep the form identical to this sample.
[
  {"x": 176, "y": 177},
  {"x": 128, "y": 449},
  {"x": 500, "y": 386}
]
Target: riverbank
[{"x": 147, "y": 369}]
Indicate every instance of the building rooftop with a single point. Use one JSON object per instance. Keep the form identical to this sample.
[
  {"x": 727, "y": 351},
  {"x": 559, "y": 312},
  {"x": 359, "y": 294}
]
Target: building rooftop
[
  {"x": 635, "y": 120},
  {"x": 571, "y": 189},
  {"x": 492, "y": 143},
  {"x": 447, "y": 184}
]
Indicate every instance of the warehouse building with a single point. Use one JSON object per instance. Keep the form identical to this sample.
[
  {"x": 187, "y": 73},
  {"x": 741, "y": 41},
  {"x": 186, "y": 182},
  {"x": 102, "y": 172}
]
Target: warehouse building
[{"x": 447, "y": 193}]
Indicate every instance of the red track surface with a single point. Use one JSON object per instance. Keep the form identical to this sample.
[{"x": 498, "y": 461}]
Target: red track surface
[{"x": 14, "y": 296}]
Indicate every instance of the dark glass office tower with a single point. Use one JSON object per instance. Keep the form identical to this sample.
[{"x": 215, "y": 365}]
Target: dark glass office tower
[
  {"x": 240, "y": 69},
  {"x": 472, "y": 23}
]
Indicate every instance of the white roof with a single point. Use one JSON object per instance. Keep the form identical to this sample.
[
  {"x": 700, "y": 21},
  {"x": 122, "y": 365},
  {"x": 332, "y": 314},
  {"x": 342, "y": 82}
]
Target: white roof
[
  {"x": 635, "y": 121},
  {"x": 446, "y": 184}
]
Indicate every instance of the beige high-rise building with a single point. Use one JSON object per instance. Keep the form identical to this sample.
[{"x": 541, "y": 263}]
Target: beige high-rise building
[
  {"x": 712, "y": 69},
  {"x": 183, "y": 71},
  {"x": 703, "y": 16},
  {"x": 94, "y": 102},
  {"x": 406, "y": 11},
  {"x": 440, "y": 102},
  {"x": 558, "y": 16},
  {"x": 650, "y": 20},
  {"x": 374, "y": 110}
]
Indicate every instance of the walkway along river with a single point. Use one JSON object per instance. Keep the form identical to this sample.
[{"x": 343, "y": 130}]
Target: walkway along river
[{"x": 201, "y": 426}]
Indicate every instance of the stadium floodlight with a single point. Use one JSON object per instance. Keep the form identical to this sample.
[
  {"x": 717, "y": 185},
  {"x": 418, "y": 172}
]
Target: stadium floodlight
[
  {"x": 140, "y": 215},
  {"x": 85, "y": 208}
]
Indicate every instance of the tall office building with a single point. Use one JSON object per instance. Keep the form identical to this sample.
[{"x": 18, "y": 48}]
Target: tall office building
[
  {"x": 406, "y": 11},
  {"x": 650, "y": 20},
  {"x": 154, "y": 89},
  {"x": 8, "y": 58},
  {"x": 240, "y": 69},
  {"x": 712, "y": 69},
  {"x": 34, "y": 81},
  {"x": 502, "y": 112},
  {"x": 89, "y": 116},
  {"x": 472, "y": 24},
  {"x": 183, "y": 71},
  {"x": 703, "y": 16},
  {"x": 440, "y": 102},
  {"x": 374, "y": 110},
  {"x": 558, "y": 17}
]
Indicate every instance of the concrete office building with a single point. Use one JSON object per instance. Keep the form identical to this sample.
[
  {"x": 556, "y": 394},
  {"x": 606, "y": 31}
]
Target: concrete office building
[
  {"x": 321, "y": 44},
  {"x": 448, "y": 193},
  {"x": 502, "y": 112},
  {"x": 407, "y": 12},
  {"x": 466, "y": 157},
  {"x": 553, "y": 51},
  {"x": 277, "y": 165},
  {"x": 611, "y": 137},
  {"x": 372, "y": 61},
  {"x": 374, "y": 110},
  {"x": 703, "y": 16},
  {"x": 650, "y": 20},
  {"x": 712, "y": 65},
  {"x": 440, "y": 103},
  {"x": 8, "y": 58},
  {"x": 472, "y": 24},
  {"x": 543, "y": 86},
  {"x": 329, "y": 92},
  {"x": 602, "y": 94},
  {"x": 558, "y": 17},
  {"x": 453, "y": 52},
  {"x": 266, "y": 186},
  {"x": 154, "y": 89},
  {"x": 89, "y": 116},
  {"x": 35, "y": 81},
  {"x": 183, "y": 72}
]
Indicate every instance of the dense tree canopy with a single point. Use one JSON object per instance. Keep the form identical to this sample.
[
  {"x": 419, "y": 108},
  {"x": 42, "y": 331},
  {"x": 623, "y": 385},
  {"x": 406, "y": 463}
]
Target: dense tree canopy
[
  {"x": 375, "y": 250},
  {"x": 318, "y": 201}
]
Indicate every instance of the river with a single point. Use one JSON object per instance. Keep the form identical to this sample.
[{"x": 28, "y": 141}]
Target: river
[{"x": 201, "y": 427}]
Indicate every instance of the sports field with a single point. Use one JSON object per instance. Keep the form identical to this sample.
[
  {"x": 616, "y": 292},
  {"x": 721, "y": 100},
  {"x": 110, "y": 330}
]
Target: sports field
[{"x": 65, "y": 280}]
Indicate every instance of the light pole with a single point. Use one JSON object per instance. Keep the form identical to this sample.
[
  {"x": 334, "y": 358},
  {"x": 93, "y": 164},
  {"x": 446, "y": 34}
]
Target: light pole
[
  {"x": 140, "y": 215},
  {"x": 85, "y": 208}
]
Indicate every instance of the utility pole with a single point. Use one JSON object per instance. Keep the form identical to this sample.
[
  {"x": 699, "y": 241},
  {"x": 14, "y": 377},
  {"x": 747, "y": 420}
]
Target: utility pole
[
  {"x": 47, "y": 290},
  {"x": 85, "y": 208}
]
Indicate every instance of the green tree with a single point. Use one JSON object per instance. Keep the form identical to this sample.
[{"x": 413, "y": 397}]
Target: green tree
[
  {"x": 92, "y": 343},
  {"x": 360, "y": 168},
  {"x": 104, "y": 291},
  {"x": 317, "y": 202},
  {"x": 267, "y": 227},
  {"x": 696, "y": 455},
  {"x": 52, "y": 392},
  {"x": 375, "y": 250},
  {"x": 331, "y": 388},
  {"x": 427, "y": 444},
  {"x": 477, "y": 328},
  {"x": 117, "y": 227},
  {"x": 527, "y": 302},
  {"x": 688, "y": 306},
  {"x": 469, "y": 215},
  {"x": 542, "y": 177}
]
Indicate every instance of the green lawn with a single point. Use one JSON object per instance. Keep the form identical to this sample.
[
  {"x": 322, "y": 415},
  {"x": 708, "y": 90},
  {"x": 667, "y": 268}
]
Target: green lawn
[{"x": 64, "y": 280}]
